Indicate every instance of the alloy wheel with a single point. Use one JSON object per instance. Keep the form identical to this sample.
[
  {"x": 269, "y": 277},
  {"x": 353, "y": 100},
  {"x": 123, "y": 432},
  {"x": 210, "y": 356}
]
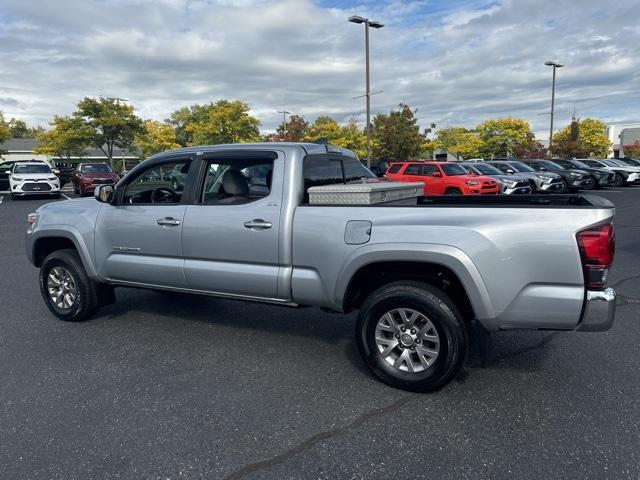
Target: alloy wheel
[
  {"x": 407, "y": 340},
  {"x": 61, "y": 288}
]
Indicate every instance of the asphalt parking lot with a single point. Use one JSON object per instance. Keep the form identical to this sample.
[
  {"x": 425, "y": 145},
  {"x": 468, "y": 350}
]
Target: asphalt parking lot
[{"x": 171, "y": 386}]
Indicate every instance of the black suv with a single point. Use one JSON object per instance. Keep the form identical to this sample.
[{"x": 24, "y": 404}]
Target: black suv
[
  {"x": 601, "y": 176},
  {"x": 575, "y": 178}
]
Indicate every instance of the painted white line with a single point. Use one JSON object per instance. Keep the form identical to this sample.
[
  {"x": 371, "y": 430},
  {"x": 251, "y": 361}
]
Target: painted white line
[
  {"x": 1, "y": 198},
  {"x": 68, "y": 198}
]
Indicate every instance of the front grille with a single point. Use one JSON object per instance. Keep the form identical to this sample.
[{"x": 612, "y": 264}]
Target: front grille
[
  {"x": 36, "y": 187},
  {"x": 102, "y": 181}
]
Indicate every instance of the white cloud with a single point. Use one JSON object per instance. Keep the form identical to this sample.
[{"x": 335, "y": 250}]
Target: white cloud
[{"x": 456, "y": 66}]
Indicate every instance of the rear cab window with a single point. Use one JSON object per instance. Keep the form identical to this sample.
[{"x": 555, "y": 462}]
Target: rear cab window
[
  {"x": 327, "y": 169},
  {"x": 394, "y": 168}
]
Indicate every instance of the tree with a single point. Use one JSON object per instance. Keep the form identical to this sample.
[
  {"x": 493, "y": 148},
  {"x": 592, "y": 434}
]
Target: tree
[
  {"x": 458, "y": 141},
  {"x": 113, "y": 123},
  {"x": 295, "y": 131},
  {"x": 324, "y": 128},
  {"x": 19, "y": 129},
  {"x": 582, "y": 138},
  {"x": 502, "y": 137},
  {"x": 397, "y": 136},
  {"x": 185, "y": 116},
  {"x": 4, "y": 129},
  {"x": 156, "y": 137},
  {"x": 633, "y": 151},
  {"x": 225, "y": 122},
  {"x": 68, "y": 138}
]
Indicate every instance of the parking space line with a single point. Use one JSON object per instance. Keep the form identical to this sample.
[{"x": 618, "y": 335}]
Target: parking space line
[
  {"x": 68, "y": 198},
  {"x": 1, "y": 199}
]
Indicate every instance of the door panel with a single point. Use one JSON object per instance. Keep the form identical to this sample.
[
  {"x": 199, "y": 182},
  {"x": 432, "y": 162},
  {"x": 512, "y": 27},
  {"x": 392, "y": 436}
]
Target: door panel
[
  {"x": 224, "y": 255},
  {"x": 131, "y": 246}
]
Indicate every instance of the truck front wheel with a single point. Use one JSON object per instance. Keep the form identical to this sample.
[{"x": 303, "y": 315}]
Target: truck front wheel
[
  {"x": 411, "y": 336},
  {"x": 66, "y": 288}
]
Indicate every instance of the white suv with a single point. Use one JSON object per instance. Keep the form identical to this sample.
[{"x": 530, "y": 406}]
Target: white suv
[{"x": 33, "y": 178}]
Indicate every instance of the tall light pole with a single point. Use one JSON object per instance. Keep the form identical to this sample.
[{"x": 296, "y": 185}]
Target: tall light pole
[
  {"x": 373, "y": 24},
  {"x": 555, "y": 65},
  {"x": 284, "y": 121}
]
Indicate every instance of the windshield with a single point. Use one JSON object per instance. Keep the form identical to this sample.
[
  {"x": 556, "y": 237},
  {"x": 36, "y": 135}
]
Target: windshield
[
  {"x": 452, "y": 169},
  {"x": 610, "y": 163},
  {"x": 578, "y": 164},
  {"x": 487, "y": 169},
  {"x": 551, "y": 165},
  {"x": 593, "y": 163},
  {"x": 33, "y": 168},
  {"x": 97, "y": 168},
  {"x": 521, "y": 167},
  {"x": 631, "y": 163}
]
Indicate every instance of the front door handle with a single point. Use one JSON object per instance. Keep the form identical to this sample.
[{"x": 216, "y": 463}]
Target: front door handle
[
  {"x": 168, "y": 222},
  {"x": 258, "y": 224}
]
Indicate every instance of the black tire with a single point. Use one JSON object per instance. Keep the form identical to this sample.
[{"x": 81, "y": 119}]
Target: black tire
[
  {"x": 76, "y": 191},
  {"x": 618, "y": 181},
  {"x": 86, "y": 300},
  {"x": 594, "y": 185},
  {"x": 14, "y": 197},
  {"x": 445, "y": 318},
  {"x": 453, "y": 191}
]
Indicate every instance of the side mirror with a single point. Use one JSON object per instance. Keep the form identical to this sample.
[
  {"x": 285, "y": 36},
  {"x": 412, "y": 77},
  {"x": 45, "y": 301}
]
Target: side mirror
[
  {"x": 437, "y": 174},
  {"x": 510, "y": 172},
  {"x": 103, "y": 193}
]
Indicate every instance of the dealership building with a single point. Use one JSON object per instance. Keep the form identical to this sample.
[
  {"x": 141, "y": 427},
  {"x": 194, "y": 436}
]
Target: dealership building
[{"x": 621, "y": 135}]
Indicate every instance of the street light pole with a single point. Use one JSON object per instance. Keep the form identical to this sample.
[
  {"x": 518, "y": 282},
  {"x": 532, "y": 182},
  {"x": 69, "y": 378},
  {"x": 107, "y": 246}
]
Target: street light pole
[
  {"x": 284, "y": 120},
  {"x": 374, "y": 24},
  {"x": 555, "y": 65}
]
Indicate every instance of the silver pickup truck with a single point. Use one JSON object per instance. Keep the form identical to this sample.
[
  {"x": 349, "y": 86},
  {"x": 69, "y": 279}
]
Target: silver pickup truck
[{"x": 235, "y": 221}]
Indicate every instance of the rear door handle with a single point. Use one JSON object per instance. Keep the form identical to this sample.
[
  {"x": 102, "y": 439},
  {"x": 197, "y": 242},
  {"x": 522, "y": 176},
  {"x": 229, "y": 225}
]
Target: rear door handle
[
  {"x": 168, "y": 222},
  {"x": 258, "y": 224}
]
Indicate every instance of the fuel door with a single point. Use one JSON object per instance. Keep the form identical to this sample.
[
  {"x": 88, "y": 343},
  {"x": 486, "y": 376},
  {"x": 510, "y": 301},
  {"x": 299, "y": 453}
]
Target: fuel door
[{"x": 357, "y": 232}]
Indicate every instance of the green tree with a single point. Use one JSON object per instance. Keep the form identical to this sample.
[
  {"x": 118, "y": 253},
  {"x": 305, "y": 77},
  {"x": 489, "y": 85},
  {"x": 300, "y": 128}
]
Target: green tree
[
  {"x": 324, "y": 128},
  {"x": 68, "y": 138},
  {"x": 582, "y": 138},
  {"x": 397, "y": 136},
  {"x": 185, "y": 116},
  {"x": 4, "y": 129},
  {"x": 19, "y": 129},
  {"x": 225, "y": 122},
  {"x": 113, "y": 124},
  {"x": 155, "y": 137},
  {"x": 633, "y": 151},
  {"x": 503, "y": 137},
  {"x": 458, "y": 141}
]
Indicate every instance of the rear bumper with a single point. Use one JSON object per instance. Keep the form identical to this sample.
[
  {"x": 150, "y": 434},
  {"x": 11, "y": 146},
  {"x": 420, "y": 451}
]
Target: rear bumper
[{"x": 599, "y": 311}]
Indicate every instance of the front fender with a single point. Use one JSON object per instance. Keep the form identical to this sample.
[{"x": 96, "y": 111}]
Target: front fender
[{"x": 68, "y": 232}]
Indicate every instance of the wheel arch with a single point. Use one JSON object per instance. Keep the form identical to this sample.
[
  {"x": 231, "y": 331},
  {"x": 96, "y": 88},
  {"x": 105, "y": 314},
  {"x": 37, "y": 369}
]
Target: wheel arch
[
  {"x": 443, "y": 266},
  {"x": 48, "y": 241}
]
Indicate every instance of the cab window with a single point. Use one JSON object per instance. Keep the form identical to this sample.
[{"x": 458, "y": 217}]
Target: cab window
[{"x": 237, "y": 180}]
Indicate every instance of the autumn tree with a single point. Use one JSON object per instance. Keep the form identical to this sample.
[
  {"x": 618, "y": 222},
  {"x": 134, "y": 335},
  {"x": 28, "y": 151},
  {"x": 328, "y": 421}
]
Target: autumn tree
[
  {"x": 324, "y": 128},
  {"x": 222, "y": 122},
  {"x": 396, "y": 135},
  {"x": 185, "y": 116},
  {"x": 633, "y": 151},
  {"x": 68, "y": 138},
  {"x": 155, "y": 137},
  {"x": 503, "y": 137},
  {"x": 458, "y": 141},
  {"x": 294, "y": 130},
  {"x": 113, "y": 124},
  {"x": 582, "y": 138}
]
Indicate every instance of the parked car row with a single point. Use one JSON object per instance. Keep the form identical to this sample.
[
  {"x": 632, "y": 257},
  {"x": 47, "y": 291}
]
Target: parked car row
[
  {"x": 33, "y": 177},
  {"x": 479, "y": 177}
]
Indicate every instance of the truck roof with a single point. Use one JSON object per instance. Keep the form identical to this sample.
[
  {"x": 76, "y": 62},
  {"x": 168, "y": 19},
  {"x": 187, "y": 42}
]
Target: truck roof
[{"x": 310, "y": 148}]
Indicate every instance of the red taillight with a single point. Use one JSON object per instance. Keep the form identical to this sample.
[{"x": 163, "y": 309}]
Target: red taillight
[{"x": 597, "y": 247}]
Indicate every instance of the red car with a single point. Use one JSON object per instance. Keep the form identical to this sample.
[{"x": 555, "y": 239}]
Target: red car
[
  {"x": 89, "y": 175},
  {"x": 442, "y": 178}
]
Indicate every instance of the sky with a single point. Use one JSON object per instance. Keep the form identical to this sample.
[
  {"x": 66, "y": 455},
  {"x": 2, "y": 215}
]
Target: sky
[{"x": 456, "y": 62}]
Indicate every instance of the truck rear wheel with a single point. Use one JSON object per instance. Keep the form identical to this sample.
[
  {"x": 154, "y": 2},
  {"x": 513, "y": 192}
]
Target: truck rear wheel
[
  {"x": 411, "y": 336},
  {"x": 66, "y": 288}
]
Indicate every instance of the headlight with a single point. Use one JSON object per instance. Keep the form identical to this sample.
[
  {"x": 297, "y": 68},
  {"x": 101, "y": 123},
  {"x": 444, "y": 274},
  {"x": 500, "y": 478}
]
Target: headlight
[
  {"x": 51, "y": 179},
  {"x": 573, "y": 174},
  {"x": 544, "y": 178},
  {"x": 509, "y": 183},
  {"x": 472, "y": 183},
  {"x": 17, "y": 179}
]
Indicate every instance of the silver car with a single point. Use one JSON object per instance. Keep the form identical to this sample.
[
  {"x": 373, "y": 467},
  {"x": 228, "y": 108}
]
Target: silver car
[
  {"x": 509, "y": 184},
  {"x": 541, "y": 182}
]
